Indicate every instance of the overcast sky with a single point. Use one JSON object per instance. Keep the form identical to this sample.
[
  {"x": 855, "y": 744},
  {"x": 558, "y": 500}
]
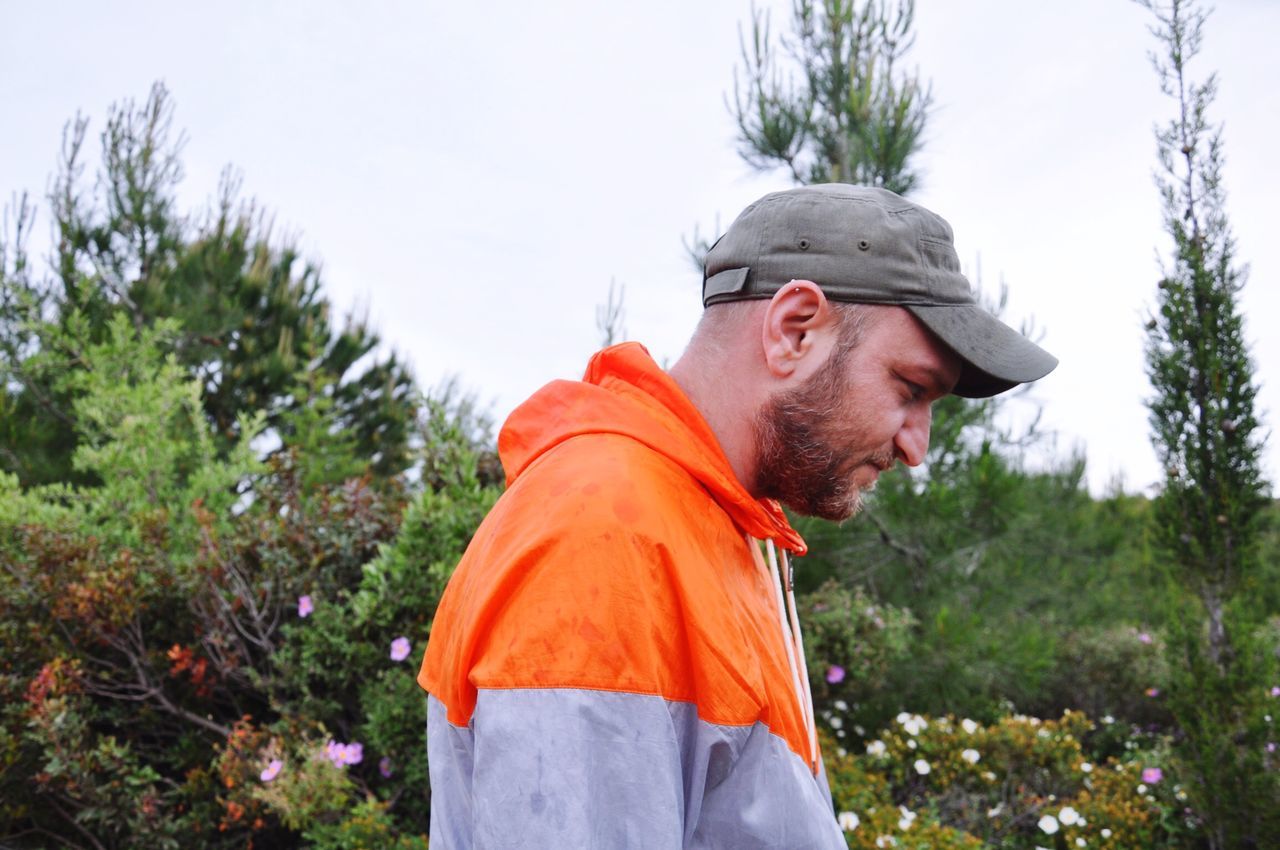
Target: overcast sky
[{"x": 474, "y": 175}]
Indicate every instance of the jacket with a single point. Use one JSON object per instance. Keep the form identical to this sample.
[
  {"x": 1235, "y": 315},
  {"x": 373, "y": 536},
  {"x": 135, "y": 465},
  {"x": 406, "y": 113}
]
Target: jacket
[{"x": 611, "y": 664}]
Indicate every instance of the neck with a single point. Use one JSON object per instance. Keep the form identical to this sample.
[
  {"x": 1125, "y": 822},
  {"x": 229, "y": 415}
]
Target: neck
[{"x": 728, "y": 407}]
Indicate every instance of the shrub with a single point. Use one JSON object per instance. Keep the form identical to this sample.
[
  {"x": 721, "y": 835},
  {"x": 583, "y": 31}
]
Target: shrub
[{"x": 1018, "y": 783}]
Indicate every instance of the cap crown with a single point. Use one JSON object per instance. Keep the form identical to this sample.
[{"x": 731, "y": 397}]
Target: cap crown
[{"x": 858, "y": 243}]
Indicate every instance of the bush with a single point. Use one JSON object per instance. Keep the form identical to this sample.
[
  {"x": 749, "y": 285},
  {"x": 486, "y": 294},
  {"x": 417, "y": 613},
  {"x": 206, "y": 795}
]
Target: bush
[{"x": 1020, "y": 784}]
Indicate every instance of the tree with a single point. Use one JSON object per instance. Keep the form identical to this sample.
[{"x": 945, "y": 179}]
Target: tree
[
  {"x": 854, "y": 116},
  {"x": 1206, "y": 433},
  {"x": 256, "y": 330}
]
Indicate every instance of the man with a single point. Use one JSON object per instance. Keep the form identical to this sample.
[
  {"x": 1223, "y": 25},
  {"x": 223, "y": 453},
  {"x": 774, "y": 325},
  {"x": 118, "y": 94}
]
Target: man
[{"x": 613, "y": 663}]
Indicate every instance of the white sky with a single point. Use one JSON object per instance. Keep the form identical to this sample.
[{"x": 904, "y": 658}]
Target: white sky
[{"x": 475, "y": 175}]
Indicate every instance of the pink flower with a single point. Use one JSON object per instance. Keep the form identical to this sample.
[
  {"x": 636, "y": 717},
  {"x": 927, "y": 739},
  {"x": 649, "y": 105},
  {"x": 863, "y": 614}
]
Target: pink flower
[
  {"x": 344, "y": 754},
  {"x": 1143, "y": 637},
  {"x": 835, "y": 674},
  {"x": 1271, "y": 747},
  {"x": 400, "y": 649},
  {"x": 304, "y": 606},
  {"x": 384, "y": 767},
  {"x": 271, "y": 771},
  {"x": 1153, "y": 692},
  {"x": 1152, "y": 775},
  {"x": 1275, "y": 692}
]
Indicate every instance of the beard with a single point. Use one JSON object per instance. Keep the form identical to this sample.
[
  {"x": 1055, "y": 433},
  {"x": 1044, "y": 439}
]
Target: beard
[{"x": 809, "y": 445}]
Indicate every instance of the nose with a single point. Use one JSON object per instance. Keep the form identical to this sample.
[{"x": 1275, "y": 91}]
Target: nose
[{"x": 912, "y": 440}]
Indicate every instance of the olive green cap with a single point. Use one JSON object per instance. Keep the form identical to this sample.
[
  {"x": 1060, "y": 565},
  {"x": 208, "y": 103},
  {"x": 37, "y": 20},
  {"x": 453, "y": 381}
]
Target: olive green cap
[{"x": 869, "y": 246}]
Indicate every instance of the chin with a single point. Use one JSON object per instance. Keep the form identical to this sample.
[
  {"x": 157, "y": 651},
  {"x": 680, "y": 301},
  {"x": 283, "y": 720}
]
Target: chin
[{"x": 832, "y": 511}]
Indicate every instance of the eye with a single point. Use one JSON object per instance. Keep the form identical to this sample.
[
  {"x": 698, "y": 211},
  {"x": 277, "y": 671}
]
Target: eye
[{"x": 916, "y": 391}]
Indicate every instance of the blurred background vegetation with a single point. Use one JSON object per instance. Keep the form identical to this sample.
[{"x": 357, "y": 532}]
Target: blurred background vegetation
[{"x": 226, "y": 519}]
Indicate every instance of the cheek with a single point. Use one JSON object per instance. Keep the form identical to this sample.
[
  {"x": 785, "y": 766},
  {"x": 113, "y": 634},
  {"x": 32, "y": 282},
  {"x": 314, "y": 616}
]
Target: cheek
[{"x": 870, "y": 424}]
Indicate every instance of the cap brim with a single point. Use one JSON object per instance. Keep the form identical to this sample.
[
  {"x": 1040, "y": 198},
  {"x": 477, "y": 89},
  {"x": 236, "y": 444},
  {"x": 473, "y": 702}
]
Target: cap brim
[{"x": 996, "y": 357}]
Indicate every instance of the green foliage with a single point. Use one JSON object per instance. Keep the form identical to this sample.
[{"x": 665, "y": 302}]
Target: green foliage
[
  {"x": 116, "y": 797},
  {"x": 1205, "y": 430},
  {"x": 154, "y": 656},
  {"x": 1018, "y": 784},
  {"x": 851, "y": 642},
  {"x": 367, "y": 827},
  {"x": 252, "y": 326},
  {"x": 1108, "y": 671},
  {"x": 853, "y": 116}
]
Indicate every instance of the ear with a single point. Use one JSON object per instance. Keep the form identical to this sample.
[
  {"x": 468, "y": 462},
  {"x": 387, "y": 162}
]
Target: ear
[{"x": 797, "y": 328}]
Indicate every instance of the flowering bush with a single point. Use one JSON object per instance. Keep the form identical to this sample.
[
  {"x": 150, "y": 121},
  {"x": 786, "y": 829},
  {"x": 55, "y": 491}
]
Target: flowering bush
[
  {"x": 183, "y": 667},
  {"x": 1018, "y": 783},
  {"x": 850, "y": 641}
]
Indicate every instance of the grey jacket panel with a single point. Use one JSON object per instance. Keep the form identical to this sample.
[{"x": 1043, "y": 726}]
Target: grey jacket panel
[{"x": 568, "y": 768}]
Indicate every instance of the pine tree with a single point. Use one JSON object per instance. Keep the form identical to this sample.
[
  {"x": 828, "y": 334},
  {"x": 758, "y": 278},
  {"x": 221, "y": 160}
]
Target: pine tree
[
  {"x": 854, "y": 116},
  {"x": 255, "y": 325},
  {"x": 1208, "y": 438}
]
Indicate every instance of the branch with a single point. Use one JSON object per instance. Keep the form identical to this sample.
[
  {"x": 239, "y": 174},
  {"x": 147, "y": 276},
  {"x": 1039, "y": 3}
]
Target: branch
[{"x": 916, "y": 556}]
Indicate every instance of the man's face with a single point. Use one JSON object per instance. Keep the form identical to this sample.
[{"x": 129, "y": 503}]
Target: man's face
[{"x": 821, "y": 444}]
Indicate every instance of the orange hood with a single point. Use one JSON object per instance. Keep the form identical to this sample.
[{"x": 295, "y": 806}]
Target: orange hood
[{"x": 625, "y": 392}]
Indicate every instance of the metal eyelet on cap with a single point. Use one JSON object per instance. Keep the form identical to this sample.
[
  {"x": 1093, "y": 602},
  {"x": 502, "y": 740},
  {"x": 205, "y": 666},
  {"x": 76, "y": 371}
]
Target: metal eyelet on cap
[
  {"x": 803, "y": 244},
  {"x": 863, "y": 244}
]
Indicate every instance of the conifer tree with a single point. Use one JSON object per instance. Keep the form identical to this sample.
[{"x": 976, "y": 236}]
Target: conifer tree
[
  {"x": 255, "y": 325},
  {"x": 838, "y": 107},
  {"x": 1205, "y": 430},
  {"x": 1208, "y": 438}
]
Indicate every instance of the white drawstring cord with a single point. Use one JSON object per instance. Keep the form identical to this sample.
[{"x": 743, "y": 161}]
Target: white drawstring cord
[
  {"x": 804, "y": 662},
  {"x": 783, "y": 629},
  {"x": 794, "y": 644}
]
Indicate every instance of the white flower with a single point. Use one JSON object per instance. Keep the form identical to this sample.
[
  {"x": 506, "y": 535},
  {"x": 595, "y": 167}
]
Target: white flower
[
  {"x": 972, "y": 756},
  {"x": 908, "y": 818},
  {"x": 969, "y": 726},
  {"x": 911, "y": 744},
  {"x": 1080, "y": 842},
  {"x": 989, "y": 776},
  {"x": 1085, "y": 767},
  {"x": 1068, "y": 816},
  {"x": 886, "y": 841},
  {"x": 922, "y": 767},
  {"x": 876, "y": 748},
  {"x": 1049, "y": 824},
  {"x": 841, "y": 705},
  {"x": 1142, "y": 789},
  {"x": 902, "y": 717},
  {"x": 836, "y": 722},
  {"x": 1108, "y": 719},
  {"x": 848, "y": 821},
  {"x": 913, "y": 725},
  {"x": 1106, "y": 833},
  {"x": 991, "y": 813}
]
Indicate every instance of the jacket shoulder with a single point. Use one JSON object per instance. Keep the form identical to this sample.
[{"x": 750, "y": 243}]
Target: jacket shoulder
[{"x": 591, "y": 572}]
